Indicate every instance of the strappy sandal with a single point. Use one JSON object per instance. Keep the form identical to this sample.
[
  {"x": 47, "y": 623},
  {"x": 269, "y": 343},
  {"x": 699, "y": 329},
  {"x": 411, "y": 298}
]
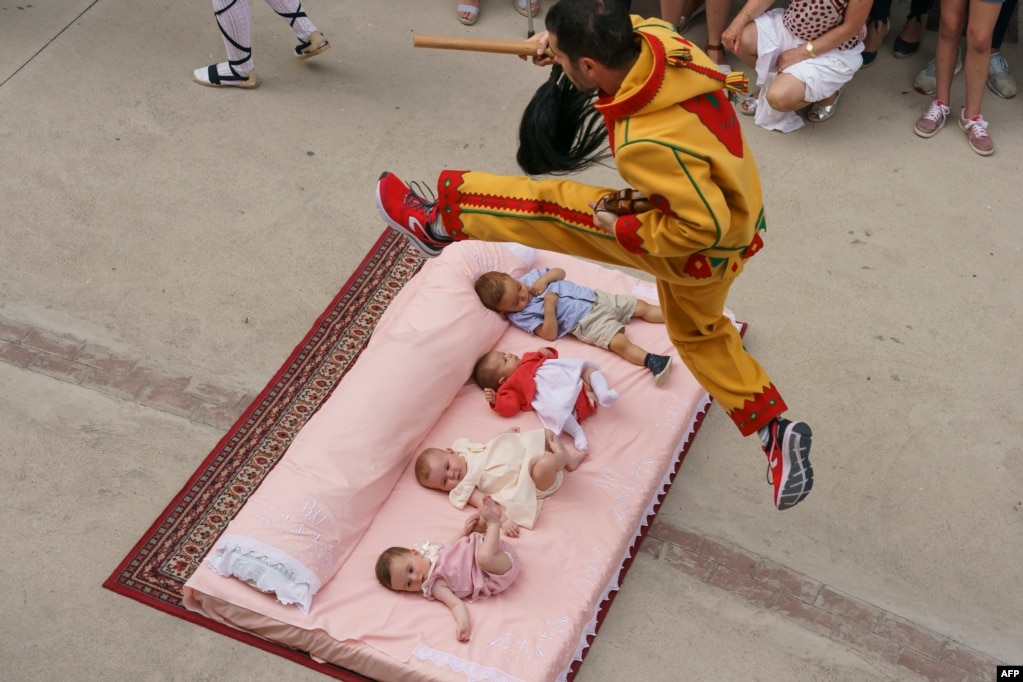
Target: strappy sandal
[
  {"x": 312, "y": 47},
  {"x": 472, "y": 10},
  {"x": 822, "y": 112},
  {"x": 521, "y": 7},
  {"x": 211, "y": 78},
  {"x": 723, "y": 66}
]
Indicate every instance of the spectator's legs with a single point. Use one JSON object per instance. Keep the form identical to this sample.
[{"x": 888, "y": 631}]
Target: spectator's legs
[
  {"x": 297, "y": 18},
  {"x": 877, "y": 29},
  {"x": 787, "y": 93},
  {"x": 979, "y": 28},
  {"x": 908, "y": 40},
  {"x": 718, "y": 14},
  {"x": 680, "y": 13},
  {"x": 1002, "y": 24},
  {"x": 953, "y": 16},
  {"x": 999, "y": 80},
  {"x": 235, "y": 21},
  {"x": 747, "y": 50}
]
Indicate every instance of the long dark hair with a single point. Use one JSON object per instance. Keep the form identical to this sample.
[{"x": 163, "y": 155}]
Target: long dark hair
[{"x": 560, "y": 131}]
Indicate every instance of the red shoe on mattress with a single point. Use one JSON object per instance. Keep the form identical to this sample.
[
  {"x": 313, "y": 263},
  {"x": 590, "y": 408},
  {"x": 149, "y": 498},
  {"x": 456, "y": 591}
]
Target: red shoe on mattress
[
  {"x": 405, "y": 210},
  {"x": 787, "y": 445}
]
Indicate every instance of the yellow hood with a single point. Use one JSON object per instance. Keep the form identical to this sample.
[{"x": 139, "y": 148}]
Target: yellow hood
[{"x": 645, "y": 88}]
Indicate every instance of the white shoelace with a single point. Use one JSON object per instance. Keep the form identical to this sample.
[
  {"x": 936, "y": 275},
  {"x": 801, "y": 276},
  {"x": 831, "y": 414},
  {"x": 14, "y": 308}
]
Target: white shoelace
[
  {"x": 978, "y": 127},
  {"x": 937, "y": 112}
]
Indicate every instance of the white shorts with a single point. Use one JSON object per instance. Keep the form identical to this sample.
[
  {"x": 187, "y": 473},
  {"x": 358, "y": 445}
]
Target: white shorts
[{"x": 822, "y": 75}]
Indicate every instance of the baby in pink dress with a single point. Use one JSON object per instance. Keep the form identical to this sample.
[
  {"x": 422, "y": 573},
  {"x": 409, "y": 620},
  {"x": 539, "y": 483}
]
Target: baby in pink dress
[{"x": 476, "y": 564}]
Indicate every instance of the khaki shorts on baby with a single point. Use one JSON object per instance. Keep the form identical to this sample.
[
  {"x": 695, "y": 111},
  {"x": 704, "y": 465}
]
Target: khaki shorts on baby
[{"x": 609, "y": 315}]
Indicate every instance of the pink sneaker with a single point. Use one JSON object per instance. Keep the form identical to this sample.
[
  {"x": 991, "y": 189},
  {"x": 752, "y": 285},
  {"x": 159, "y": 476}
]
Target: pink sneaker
[
  {"x": 406, "y": 211},
  {"x": 976, "y": 131},
  {"x": 932, "y": 120}
]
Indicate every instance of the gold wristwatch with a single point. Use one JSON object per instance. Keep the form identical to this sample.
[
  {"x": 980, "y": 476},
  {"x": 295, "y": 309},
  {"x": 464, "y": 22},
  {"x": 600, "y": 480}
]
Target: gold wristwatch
[{"x": 809, "y": 49}]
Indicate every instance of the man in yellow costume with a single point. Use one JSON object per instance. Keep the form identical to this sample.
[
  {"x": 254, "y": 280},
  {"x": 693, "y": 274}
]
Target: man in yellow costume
[{"x": 676, "y": 140}]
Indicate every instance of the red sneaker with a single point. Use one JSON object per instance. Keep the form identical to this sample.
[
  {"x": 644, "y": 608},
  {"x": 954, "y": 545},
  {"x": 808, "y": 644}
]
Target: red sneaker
[
  {"x": 406, "y": 211},
  {"x": 787, "y": 445}
]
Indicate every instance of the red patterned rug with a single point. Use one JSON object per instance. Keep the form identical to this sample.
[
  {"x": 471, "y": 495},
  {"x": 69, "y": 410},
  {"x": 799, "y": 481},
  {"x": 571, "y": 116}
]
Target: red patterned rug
[
  {"x": 171, "y": 550},
  {"x": 165, "y": 558}
]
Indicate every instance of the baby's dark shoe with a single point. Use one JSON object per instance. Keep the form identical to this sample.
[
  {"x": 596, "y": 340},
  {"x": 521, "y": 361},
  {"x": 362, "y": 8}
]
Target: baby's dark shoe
[{"x": 659, "y": 366}]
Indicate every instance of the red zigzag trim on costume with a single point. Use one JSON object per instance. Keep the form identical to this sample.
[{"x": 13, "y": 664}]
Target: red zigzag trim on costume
[
  {"x": 759, "y": 411},
  {"x": 452, "y": 201}
]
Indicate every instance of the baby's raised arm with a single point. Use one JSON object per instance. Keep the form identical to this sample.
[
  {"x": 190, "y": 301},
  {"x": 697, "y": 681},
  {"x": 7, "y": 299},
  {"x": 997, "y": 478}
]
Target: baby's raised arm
[
  {"x": 443, "y": 593},
  {"x": 472, "y": 523}
]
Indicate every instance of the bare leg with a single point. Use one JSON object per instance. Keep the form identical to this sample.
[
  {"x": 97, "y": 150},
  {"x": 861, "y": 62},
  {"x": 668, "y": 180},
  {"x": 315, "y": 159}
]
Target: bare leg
[
  {"x": 953, "y": 16},
  {"x": 979, "y": 28},
  {"x": 489, "y": 555},
  {"x": 557, "y": 448},
  {"x": 673, "y": 10},
  {"x": 648, "y": 311},
  {"x": 627, "y": 349},
  {"x": 717, "y": 21},
  {"x": 546, "y": 468},
  {"x": 746, "y": 46},
  {"x": 787, "y": 93}
]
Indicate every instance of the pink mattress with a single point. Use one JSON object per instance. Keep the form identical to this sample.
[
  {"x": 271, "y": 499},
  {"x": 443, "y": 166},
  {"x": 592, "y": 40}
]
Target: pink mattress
[{"x": 355, "y": 465}]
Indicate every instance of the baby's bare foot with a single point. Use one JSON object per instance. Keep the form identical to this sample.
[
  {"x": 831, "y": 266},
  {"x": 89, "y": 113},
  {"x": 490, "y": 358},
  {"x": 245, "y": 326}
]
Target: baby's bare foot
[
  {"x": 575, "y": 458},
  {"x": 490, "y": 511}
]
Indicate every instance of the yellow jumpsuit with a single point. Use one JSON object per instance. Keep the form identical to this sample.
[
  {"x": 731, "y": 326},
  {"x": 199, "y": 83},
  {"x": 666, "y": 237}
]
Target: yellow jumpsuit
[{"x": 675, "y": 137}]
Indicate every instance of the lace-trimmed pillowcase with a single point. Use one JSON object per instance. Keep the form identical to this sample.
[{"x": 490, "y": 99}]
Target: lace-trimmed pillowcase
[{"x": 302, "y": 523}]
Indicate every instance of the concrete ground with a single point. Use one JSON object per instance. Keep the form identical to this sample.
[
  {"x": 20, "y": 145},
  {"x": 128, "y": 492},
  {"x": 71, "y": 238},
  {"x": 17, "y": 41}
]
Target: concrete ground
[{"x": 163, "y": 246}]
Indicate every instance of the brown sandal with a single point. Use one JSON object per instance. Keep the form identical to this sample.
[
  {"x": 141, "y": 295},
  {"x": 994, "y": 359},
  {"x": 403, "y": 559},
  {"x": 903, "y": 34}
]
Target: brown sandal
[{"x": 722, "y": 65}]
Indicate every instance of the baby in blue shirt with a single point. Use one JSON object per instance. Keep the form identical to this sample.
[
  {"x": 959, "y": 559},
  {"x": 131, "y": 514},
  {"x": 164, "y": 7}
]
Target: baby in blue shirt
[{"x": 544, "y": 303}]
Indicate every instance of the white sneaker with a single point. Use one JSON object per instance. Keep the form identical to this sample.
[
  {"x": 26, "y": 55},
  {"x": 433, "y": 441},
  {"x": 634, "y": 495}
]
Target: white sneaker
[
  {"x": 926, "y": 82},
  {"x": 999, "y": 80}
]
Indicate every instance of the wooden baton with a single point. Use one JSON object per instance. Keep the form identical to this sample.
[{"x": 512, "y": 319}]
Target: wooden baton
[{"x": 525, "y": 48}]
